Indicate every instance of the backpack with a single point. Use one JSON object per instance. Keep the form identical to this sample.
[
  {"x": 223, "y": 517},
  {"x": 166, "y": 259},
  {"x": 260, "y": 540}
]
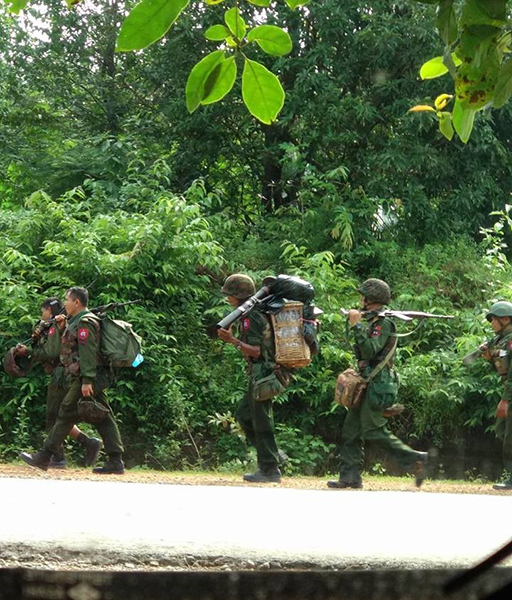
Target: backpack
[
  {"x": 120, "y": 346},
  {"x": 292, "y": 314}
]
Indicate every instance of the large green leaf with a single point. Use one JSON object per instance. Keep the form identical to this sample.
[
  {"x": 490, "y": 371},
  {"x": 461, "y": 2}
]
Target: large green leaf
[
  {"x": 213, "y": 2},
  {"x": 463, "y": 119},
  {"x": 503, "y": 89},
  {"x": 148, "y": 22},
  {"x": 235, "y": 23},
  {"x": 198, "y": 77},
  {"x": 263, "y": 3},
  {"x": 262, "y": 92},
  {"x": 16, "y": 6},
  {"x": 217, "y": 33},
  {"x": 446, "y": 21},
  {"x": 435, "y": 67},
  {"x": 293, "y": 4},
  {"x": 220, "y": 81},
  {"x": 273, "y": 40},
  {"x": 484, "y": 12}
]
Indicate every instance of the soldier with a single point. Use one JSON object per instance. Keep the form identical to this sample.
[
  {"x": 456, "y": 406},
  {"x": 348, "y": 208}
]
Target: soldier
[
  {"x": 375, "y": 343},
  {"x": 46, "y": 350},
  {"x": 88, "y": 381},
  {"x": 257, "y": 345},
  {"x": 499, "y": 352}
]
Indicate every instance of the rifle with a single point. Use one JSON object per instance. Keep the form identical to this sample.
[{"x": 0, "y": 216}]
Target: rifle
[
  {"x": 99, "y": 310},
  {"x": 472, "y": 357},
  {"x": 403, "y": 315}
]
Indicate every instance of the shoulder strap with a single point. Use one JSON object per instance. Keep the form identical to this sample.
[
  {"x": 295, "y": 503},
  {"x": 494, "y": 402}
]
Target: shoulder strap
[{"x": 383, "y": 363}]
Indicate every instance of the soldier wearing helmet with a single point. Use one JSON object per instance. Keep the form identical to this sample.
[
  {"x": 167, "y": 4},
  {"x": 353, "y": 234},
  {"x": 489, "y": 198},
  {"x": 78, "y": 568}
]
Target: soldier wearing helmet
[
  {"x": 499, "y": 352},
  {"x": 375, "y": 345},
  {"x": 255, "y": 415}
]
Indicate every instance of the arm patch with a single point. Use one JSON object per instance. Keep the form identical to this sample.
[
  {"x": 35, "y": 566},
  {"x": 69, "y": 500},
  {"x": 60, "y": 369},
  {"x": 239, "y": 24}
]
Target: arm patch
[
  {"x": 246, "y": 324},
  {"x": 83, "y": 335},
  {"x": 377, "y": 331}
]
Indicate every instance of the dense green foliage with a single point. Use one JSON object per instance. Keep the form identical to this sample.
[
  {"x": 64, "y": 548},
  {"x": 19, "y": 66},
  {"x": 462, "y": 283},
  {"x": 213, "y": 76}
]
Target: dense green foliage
[{"x": 105, "y": 177}]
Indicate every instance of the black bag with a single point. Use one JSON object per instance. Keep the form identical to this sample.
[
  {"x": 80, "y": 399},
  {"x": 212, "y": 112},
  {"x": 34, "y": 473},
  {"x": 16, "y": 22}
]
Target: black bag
[{"x": 92, "y": 411}]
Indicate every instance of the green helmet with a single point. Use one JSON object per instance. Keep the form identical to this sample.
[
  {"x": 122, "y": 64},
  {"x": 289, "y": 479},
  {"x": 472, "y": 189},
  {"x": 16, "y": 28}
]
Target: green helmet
[
  {"x": 375, "y": 290},
  {"x": 239, "y": 285},
  {"x": 500, "y": 309}
]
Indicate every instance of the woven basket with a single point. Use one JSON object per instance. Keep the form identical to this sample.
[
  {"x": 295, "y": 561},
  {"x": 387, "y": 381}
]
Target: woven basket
[{"x": 291, "y": 348}]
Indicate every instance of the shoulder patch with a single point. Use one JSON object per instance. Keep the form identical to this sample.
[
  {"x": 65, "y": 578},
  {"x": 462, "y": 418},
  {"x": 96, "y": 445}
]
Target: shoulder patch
[
  {"x": 83, "y": 334},
  {"x": 51, "y": 331},
  {"x": 246, "y": 324},
  {"x": 377, "y": 331},
  {"x": 510, "y": 345}
]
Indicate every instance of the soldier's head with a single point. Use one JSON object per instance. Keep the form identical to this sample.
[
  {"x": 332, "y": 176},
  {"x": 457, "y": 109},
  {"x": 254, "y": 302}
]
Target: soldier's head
[
  {"x": 76, "y": 300},
  {"x": 374, "y": 293},
  {"x": 500, "y": 315},
  {"x": 238, "y": 288},
  {"x": 50, "y": 308}
]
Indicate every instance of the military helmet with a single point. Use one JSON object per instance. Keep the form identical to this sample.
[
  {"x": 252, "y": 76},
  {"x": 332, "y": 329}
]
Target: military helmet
[
  {"x": 15, "y": 364},
  {"x": 375, "y": 290},
  {"x": 239, "y": 285},
  {"x": 500, "y": 309}
]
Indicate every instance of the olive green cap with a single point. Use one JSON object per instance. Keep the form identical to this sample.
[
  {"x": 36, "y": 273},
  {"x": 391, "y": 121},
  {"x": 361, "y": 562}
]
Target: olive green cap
[
  {"x": 500, "y": 309},
  {"x": 239, "y": 285}
]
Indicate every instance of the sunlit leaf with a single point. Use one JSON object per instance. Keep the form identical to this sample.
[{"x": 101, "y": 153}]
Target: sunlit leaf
[
  {"x": 220, "y": 81},
  {"x": 196, "y": 81},
  {"x": 463, "y": 120},
  {"x": 271, "y": 39},
  {"x": 445, "y": 125},
  {"x": 503, "y": 89},
  {"x": 442, "y": 100},
  {"x": 263, "y": 3},
  {"x": 262, "y": 92},
  {"x": 217, "y": 33},
  {"x": 16, "y": 6},
  {"x": 435, "y": 67},
  {"x": 422, "y": 108},
  {"x": 148, "y": 22},
  {"x": 293, "y": 4},
  {"x": 235, "y": 23},
  {"x": 213, "y": 2}
]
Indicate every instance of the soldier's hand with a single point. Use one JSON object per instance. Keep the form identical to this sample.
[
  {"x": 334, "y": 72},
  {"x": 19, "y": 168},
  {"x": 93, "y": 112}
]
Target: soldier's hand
[
  {"x": 21, "y": 350},
  {"x": 87, "y": 390},
  {"x": 61, "y": 321},
  {"x": 484, "y": 349},
  {"x": 502, "y": 410},
  {"x": 226, "y": 335},
  {"x": 354, "y": 316}
]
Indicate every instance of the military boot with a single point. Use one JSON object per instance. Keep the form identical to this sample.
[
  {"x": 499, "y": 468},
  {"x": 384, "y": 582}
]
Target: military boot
[
  {"x": 58, "y": 460},
  {"x": 93, "y": 448},
  {"x": 505, "y": 486},
  {"x": 40, "y": 460},
  {"x": 271, "y": 475},
  {"x": 420, "y": 468},
  {"x": 113, "y": 466},
  {"x": 341, "y": 484},
  {"x": 282, "y": 458}
]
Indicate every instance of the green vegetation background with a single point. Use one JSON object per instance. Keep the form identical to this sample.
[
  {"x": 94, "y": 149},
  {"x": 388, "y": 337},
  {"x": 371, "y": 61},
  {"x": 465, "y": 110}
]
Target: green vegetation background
[{"x": 105, "y": 177}]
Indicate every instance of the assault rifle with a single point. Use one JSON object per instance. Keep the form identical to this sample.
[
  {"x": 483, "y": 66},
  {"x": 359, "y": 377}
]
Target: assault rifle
[
  {"x": 472, "y": 357},
  {"x": 402, "y": 315},
  {"x": 98, "y": 310}
]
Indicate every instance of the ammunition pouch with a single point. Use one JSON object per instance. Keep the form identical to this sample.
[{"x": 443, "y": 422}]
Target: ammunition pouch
[{"x": 350, "y": 388}]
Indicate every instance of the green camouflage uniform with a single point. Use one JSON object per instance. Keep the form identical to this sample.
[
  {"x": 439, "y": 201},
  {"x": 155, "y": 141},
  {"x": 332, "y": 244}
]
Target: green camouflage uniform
[
  {"x": 47, "y": 351},
  {"x": 366, "y": 422},
  {"x": 500, "y": 350},
  {"x": 256, "y": 417},
  {"x": 80, "y": 357}
]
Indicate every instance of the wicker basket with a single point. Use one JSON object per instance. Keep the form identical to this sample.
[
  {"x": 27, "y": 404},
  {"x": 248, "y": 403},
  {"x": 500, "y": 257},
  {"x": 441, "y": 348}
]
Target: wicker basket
[{"x": 291, "y": 348}]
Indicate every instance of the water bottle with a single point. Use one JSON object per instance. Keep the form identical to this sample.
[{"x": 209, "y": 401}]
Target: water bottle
[{"x": 137, "y": 360}]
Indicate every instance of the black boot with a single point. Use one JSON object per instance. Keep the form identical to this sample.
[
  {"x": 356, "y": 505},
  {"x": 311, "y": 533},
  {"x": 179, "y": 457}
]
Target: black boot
[
  {"x": 341, "y": 484},
  {"x": 58, "y": 461},
  {"x": 93, "y": 448},
  {"x": 40, "y": 459},
  {"x": 113, "y": 466},
  {"x": 271, "y": 475},
  {"x": 505, "y": 486}
]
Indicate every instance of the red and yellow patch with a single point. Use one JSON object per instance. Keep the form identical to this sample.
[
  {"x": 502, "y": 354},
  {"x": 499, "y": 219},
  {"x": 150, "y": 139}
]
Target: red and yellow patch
[
  {"x": 510, "y": 345},
  {"x": 83, "y": 334},
  {"x": 51, "y": 331},
  {"x": 246, "y": 324},
  {"x": 377, "y": 331}
]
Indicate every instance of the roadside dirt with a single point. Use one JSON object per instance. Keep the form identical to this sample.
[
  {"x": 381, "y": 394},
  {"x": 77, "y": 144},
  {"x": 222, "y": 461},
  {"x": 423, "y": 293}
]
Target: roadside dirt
[{"x": 371, "y": 483}]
